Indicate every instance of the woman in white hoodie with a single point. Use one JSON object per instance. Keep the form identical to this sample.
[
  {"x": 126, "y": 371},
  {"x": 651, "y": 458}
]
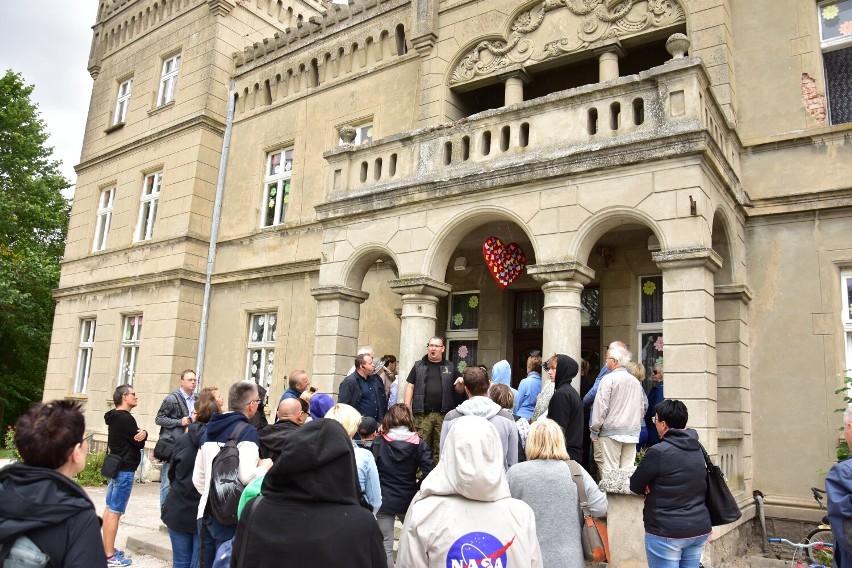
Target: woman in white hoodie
[{"x": 464, "y": 512}]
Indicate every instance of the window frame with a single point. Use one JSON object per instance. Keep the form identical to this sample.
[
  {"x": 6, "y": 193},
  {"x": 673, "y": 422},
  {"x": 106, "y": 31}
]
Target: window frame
[
  {"x": 104, "y": 219},
  {"x": 122, "y": 102},
  {"x": 265, "y": 346},
  {"x": 827, "y": 46},
  {"x": 281, "y": 179},
  {"x": 452, "y": 335},
  {"x": 85, "y": 350},
  {"x": 168, "y": 80},
  {"x": 645, "y": 328},
  {"x": 363, "y": 134},
  {"x": 846, "y": 315},
  {"x": 148, "y": 205},
  {"x": 129, "y": 347}
]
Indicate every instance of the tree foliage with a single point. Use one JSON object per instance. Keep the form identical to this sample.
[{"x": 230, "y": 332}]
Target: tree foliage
[{"x": 33, "y": 225}]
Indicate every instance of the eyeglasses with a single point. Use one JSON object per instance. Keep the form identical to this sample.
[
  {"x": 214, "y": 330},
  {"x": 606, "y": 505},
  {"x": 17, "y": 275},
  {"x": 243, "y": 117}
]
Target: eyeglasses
[
  {"x": 612, "y": 359},
  {"x": 656, "y": 420},
  {"x": 433, "y": 345},
  {"x": 258, "y": 401},
  {"x": 130, "y": 394}
]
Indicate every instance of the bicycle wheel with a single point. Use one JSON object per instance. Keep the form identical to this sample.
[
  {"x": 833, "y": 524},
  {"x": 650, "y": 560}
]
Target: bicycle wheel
[{"x": 820, "y": 556}]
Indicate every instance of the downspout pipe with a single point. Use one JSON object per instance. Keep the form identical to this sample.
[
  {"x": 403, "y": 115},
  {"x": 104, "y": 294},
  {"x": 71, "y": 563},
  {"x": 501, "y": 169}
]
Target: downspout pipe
[{"x": 214, "y": 235}]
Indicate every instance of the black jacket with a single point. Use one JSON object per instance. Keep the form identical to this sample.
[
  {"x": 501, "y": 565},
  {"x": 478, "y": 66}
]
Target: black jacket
[
  {"x": 397, "y": 462},
  {"x": 417, "y": 377},
  {"x": 314, "y": 484},
  {"x": 350, "y": 392},
  {"x": 121, "y": 428},
  {"x": 172, "y": 411},
  {"x": 54, "y": 512},
  {"x": 273, "y": 436},
  {"x": 181, "y": 506},
  {"x": 566, "y": 407},
  {"x": 673, "y": 478}
]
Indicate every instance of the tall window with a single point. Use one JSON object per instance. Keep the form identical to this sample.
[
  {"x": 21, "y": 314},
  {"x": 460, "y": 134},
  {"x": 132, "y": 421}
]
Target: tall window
[
  {"x": 846, "y": 295},
  {"x": 168, "y": 80},
  {"x": 276, "y": 187},
  {"x": 84, "y": 355},
  {"x": 104, "y": 218},
  {"x": 835, "y": 26},
  {"x": 130, "y": 340},
  {"x": 363, "y": 134},
  {"x": 122, "y": 101},
  {"x": 650, "y": 324},
  {"x": 261, "y": 348},
  {"x": 148, "y": 206},
  {"x": 463, "y": 330}
]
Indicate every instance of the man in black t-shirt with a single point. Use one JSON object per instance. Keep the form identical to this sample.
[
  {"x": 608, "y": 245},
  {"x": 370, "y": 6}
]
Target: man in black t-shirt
[{"x": 432, "y": 391}]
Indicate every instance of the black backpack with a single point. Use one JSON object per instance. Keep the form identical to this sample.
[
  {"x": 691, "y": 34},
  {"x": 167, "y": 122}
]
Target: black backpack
[{"x": 225, "y": 485}]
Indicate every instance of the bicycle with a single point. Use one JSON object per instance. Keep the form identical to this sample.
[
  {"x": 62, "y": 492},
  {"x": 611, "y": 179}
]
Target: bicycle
[
  {"x": 801, "y": 547},
  {"x": 822, "y": 533}
]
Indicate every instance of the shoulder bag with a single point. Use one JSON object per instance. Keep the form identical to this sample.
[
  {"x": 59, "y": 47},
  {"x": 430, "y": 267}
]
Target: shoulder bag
[
  {"x": 109, "y": 469},
  {"x": 719, "y": 500},
  {"x": 165, "y": 446},
  {"x": 593, "y": 532}
]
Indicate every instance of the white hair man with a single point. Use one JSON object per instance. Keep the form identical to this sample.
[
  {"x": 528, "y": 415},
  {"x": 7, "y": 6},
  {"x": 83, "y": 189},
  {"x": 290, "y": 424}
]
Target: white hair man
[{"x": 617, "y": 414}]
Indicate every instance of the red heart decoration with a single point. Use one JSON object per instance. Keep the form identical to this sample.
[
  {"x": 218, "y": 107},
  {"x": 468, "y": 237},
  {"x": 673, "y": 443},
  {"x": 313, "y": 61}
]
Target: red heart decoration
[{"x": 505, "y": 262}]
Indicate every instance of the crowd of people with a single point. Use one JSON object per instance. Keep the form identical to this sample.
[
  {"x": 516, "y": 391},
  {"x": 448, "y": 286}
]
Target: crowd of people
[{"x": 474, "y": 469}]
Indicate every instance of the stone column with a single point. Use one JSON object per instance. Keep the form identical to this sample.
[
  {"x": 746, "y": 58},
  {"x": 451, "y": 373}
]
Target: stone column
[
  {"x": 608, "y": 57},
  {"x": 563, "y": 285},
  {"x": 418, "y": 321},
  {"x": 734, "y": 384},
  {"x": 336, "y": 335},
  {"x": 689, "y": 335},
  {"x": 514, "y": 85}
]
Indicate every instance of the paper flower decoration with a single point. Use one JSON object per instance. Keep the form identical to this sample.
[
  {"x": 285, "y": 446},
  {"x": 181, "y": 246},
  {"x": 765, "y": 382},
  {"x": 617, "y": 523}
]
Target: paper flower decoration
[
  {"x": 473, "y": 302},
  {"x": 461, "y": 366},
  {"x": 463, "y": 352},
  {"x": 649, "y": 288},
  {"x": 458, "y": 319},
  {"x": 658, "y": 344},
  {"x": 830, "y": 12},
  {"x": 845, "y": 28}
]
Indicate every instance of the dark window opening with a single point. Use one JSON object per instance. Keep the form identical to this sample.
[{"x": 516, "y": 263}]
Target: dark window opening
[
  {"x": 486, "y": 142},
  {"x": 525, "y": 135},
  {"x": 638, "y": 111},
  {"x": 448, "y": 153},
  {"x": 465, "y": 149},
  {"x": 504, "y": 138},
  {"x": 593, "y": 121}
]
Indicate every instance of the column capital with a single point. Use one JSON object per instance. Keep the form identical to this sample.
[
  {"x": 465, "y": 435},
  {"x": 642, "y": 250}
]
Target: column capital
[
  {"x": 515, "y": 72},
  {"x": 610, "y": 46},
  {"x": 739, "y": 292},
  {"x": 422, "y": 285},
  {"x": 688, "y": 258},
  {"x": 339, "y": 293},
  {"x": 561, "y": 271}
]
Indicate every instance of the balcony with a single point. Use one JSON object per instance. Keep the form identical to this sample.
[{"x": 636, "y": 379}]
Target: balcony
[{"x": 667, "y": 111}]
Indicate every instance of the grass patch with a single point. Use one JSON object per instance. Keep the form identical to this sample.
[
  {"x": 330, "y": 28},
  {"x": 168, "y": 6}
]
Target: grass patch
[{"x": 91, "y": 474}]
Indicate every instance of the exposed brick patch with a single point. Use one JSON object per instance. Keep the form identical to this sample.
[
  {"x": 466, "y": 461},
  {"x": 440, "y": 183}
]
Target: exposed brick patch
[{"x": 814, "y": 101}]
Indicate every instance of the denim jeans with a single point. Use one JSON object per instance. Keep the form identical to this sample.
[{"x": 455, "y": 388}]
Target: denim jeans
[
  {"x": 164, "y": 483},
  {"x": 184, "y": 549},
  {"x": 665, "y": 552},
  {"x": 118, "y": 492},
  {"x": 213, "y": 535}
]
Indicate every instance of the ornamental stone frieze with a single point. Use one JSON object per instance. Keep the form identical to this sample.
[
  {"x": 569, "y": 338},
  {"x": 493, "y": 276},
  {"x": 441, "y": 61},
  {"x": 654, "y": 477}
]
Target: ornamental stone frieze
[{"x": 555, "y": 28}]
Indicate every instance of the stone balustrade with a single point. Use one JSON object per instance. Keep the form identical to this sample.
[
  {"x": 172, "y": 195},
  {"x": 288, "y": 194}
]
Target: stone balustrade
[{"x": 668, "y": 109}]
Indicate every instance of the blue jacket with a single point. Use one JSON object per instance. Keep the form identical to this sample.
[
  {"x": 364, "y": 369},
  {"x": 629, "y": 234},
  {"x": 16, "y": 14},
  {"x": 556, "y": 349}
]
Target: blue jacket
[
  {"x": 501, "y": 373},
  {"x": 838, "y": 486},
  {"x": 527, "y": 394}
]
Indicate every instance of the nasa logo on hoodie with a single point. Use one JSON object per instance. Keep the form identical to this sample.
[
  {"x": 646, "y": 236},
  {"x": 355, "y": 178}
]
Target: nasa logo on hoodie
[{"x": 478, "y": 550}]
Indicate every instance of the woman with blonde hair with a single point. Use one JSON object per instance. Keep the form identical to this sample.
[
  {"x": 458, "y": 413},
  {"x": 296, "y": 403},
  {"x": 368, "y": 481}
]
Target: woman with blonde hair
[
  {"x": 638, "y": 371},
  {"x": 556, "y": 503},
  {"x": 368, "y": 475}
]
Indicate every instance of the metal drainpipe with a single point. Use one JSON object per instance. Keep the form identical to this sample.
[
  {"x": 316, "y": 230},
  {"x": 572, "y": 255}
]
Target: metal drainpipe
[{"x": 214, "y": 234}]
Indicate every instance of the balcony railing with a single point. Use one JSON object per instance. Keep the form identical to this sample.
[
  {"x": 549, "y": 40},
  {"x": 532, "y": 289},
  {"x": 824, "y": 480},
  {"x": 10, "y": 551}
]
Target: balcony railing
[{"x": 621, "y": 119}]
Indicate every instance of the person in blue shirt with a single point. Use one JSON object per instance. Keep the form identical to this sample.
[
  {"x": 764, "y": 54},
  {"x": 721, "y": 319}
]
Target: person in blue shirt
[
  {"x": 838, "y": 487},
  {"x": 655, "y": 397},
  {"x": 528, "y": 389}
]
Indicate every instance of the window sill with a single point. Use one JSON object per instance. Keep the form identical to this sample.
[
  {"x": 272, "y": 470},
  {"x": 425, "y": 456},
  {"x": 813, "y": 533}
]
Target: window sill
[
  {"x": 161, "y": 108},
  {"x": 77, "y": 396},
  {"x": 114, "y": 127}
]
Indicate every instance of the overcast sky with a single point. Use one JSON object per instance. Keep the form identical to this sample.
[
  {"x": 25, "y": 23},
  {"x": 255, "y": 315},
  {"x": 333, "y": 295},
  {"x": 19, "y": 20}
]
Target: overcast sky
[{"x": 47, "y": 41}]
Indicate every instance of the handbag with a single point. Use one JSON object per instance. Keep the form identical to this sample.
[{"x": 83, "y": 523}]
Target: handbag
[
  {"x": 719, "y": 500},
  {"x": 112, "y": 462},
  {"x": 165, "y": 447},
  {"x": 593, "y": 532}
]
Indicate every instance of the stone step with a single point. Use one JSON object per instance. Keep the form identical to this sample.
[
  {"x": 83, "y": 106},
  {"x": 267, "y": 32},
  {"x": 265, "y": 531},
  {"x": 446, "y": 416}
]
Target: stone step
[{"x": 154, "y": 543}]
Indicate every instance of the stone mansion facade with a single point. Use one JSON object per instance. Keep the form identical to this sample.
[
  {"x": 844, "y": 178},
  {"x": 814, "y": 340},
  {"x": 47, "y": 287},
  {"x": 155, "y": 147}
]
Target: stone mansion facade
[{"x": 265, "y": 185}]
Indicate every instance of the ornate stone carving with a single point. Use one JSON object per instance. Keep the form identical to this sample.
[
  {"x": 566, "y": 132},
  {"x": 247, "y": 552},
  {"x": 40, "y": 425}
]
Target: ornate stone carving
[{"x": 553, "y": 28}]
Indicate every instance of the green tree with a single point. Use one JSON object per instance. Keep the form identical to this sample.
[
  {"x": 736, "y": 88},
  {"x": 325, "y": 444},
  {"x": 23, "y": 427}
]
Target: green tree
[{"x": 33, "y": 224}]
